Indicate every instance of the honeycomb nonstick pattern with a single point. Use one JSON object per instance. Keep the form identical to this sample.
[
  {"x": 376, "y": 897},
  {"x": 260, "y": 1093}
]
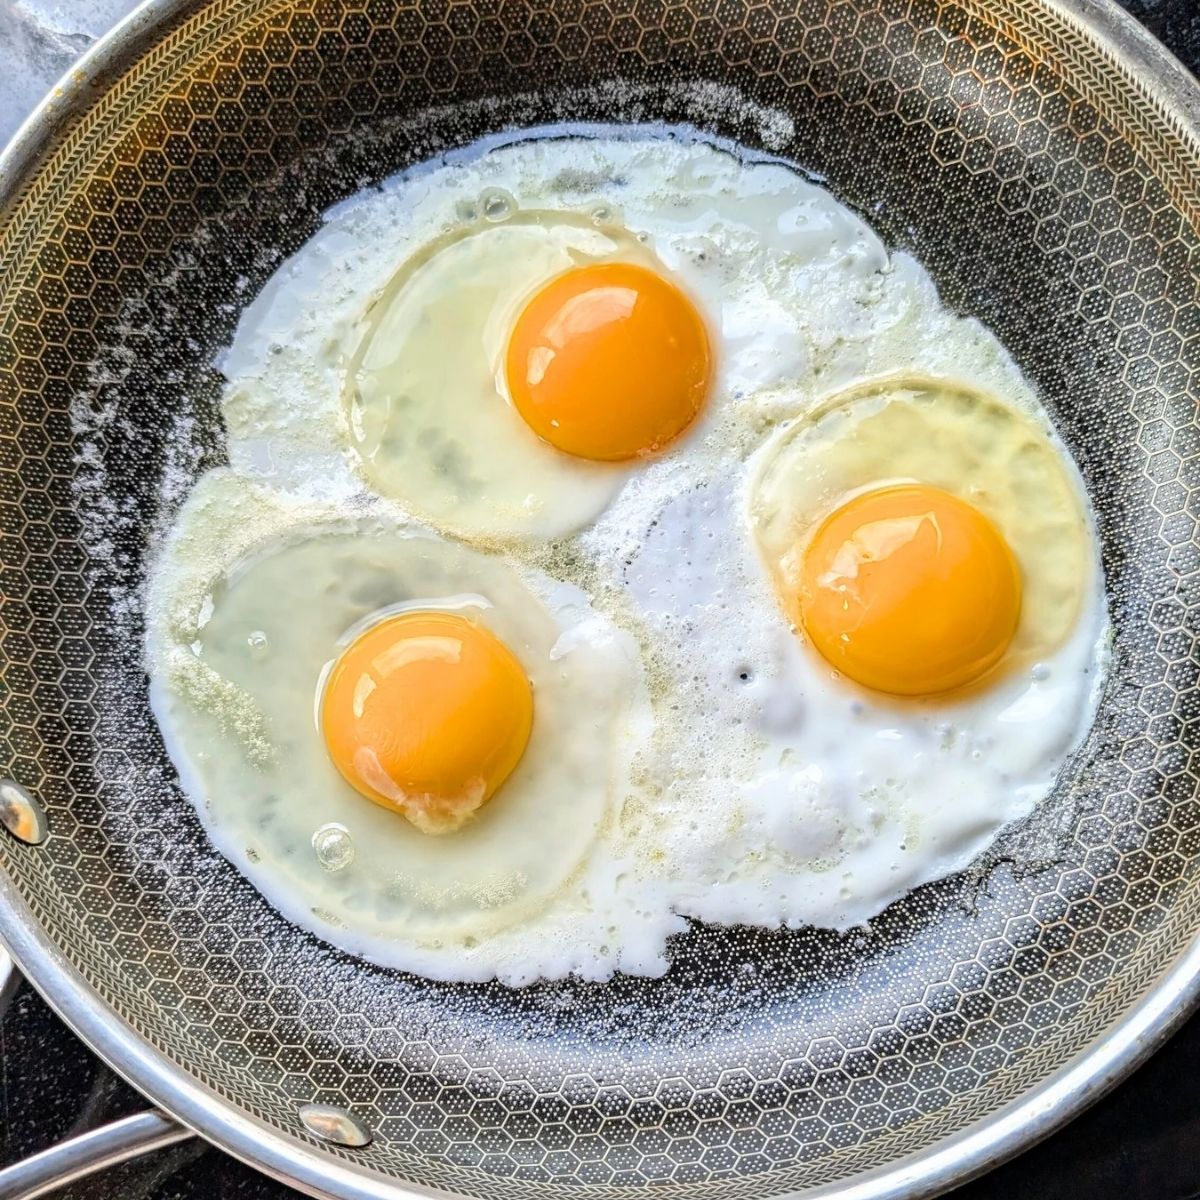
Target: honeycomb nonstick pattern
[{"x": 1049, "y": 196}]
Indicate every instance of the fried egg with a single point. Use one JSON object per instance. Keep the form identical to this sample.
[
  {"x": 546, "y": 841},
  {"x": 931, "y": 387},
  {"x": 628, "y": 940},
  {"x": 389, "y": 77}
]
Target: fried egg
[
  {"x": 246, "y": 689},
  {"x": 424, "y": 374},
  {"x": 420, "y": 416},
  {"x": 615, "y": 534},
  {"x": 823, "y": 799}
]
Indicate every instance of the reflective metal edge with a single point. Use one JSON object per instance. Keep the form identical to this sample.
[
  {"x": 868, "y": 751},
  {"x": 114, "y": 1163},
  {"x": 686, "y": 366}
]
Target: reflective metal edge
[
  {"x": 1013, "y": 1128},
  {"x": 8, "y": 979},
  {"x": 83, "y": 82}
]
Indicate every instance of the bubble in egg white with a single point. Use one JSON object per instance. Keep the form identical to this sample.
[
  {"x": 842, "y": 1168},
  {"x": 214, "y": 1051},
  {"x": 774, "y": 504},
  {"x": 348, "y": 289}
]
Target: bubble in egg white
[{"x": 333, "y": 846}]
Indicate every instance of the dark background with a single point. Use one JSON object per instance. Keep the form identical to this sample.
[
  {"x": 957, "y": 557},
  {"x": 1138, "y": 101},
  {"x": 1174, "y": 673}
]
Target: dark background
[{"x": 1142, "y": 1142}]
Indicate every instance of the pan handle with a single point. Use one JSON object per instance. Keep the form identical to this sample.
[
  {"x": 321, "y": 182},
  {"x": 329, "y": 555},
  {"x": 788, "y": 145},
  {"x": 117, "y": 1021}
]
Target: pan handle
[
  {"x": 107, "y": 1146},
  {"x": 51, "y": 1169}
]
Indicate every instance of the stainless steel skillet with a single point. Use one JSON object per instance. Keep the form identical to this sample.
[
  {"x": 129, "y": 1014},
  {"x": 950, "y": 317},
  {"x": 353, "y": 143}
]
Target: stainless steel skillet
[{"x": 1042, "y": 158}]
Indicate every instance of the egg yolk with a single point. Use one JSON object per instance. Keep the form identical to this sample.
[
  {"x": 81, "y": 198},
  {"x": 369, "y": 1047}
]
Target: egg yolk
[
  {"x": 609, "y": 361},
  {"x": 910, "y": 590},
  {"x": 427, "y": 714}
]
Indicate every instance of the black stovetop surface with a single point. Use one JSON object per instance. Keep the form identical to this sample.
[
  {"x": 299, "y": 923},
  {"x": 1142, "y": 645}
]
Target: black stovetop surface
[{"x": 1141, "y": 1142}]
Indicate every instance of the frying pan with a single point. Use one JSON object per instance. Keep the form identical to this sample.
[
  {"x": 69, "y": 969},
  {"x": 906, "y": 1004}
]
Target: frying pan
[{"x": 1041, "y": 158}]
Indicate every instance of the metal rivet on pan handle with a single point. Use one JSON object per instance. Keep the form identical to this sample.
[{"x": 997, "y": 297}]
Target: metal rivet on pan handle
[
  {"x": 21, "y": 814},
  {"x": 335, "y": 1124}
]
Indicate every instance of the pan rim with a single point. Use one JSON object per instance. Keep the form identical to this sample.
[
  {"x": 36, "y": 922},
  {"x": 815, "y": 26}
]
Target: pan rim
[
  {"x": 1008, "y": 1131},
  {"x": 1163, "y": 1006}
]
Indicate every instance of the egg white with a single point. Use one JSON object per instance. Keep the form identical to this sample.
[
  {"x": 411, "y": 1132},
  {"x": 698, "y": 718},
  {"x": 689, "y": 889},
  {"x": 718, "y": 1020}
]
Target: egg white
[
  {"x": 358, "y": 368},
  {"x": 745, "y": 783},
  {"x": 237, "y": 677},
  {"x": 800, "y": 798},
  {"x": 429, "y": 417}
]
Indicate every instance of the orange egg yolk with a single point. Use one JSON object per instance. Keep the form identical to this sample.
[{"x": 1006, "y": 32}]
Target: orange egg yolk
[
  {"x": 427, "y": 714},
  {"x": 609, "y": 361},
  {"x": 909, "y": 590}
]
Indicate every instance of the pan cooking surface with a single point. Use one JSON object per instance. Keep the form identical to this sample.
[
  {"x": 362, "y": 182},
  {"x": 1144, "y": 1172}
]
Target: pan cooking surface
[{"x": 1046, "y": 196}]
